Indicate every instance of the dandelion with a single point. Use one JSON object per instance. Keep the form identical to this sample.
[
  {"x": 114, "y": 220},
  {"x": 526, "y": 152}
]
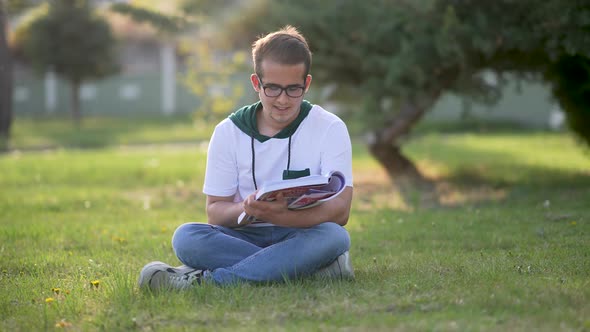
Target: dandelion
[
  {"x": 62, "y": 323},
  {"x": 573, "y": 223},
  {"x": 95, "y": 283},
  {"x": 119, "y": 239},
  {"x": 49, "y": 300}
]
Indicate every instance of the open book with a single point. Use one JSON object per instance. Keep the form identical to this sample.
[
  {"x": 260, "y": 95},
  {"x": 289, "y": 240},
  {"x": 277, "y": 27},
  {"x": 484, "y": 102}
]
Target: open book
[{"x": 301, "y": 193}]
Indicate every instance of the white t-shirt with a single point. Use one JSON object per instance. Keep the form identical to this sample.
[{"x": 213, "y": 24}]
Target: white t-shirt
[{"x": 320, "y": 143}]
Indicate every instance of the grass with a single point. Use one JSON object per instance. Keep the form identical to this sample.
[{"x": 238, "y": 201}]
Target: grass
[
  {"x": 504, "y": 244},
  {"x": 42, "y": 132}
]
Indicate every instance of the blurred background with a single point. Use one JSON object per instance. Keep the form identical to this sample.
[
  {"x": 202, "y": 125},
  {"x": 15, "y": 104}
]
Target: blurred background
[
  {"x": 152, "y": 65},
  {"x": 89, "y": 73}
]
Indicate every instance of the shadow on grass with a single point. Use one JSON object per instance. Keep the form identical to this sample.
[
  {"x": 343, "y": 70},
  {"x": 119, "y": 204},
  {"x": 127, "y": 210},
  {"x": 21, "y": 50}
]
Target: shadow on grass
[
  {"x": 479, "y": 173},
  {"x": 536, "y": 177},
  {"x": 477, "y": 166}
]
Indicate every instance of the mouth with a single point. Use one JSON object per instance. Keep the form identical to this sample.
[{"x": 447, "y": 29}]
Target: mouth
[{"x": 281, "y": 108}]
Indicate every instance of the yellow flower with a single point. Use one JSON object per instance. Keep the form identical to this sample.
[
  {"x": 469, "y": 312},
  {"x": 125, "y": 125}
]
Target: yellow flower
[
  {"x": 49, "y": 300},
  {"x": 56, "y": 290},
  {"x": 95, "y": 283},
  {"x": 573, "y": 223},
  {"x": 63, "y": 323}
]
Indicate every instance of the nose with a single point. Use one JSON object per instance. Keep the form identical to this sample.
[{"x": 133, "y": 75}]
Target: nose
[{"x": 283, "y": 96}]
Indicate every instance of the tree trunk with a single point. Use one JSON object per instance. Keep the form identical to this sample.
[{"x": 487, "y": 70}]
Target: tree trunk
[
  {"x": 75, "y": 103},
  {"x": 397, "y": 165},
  {"x": 6, "y": 81},
  {"x": 385, "y": 145}
]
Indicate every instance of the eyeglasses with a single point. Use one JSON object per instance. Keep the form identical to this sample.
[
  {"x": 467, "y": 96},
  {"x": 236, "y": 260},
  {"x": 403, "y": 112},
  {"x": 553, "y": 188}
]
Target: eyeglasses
[{"x": 275, "y": 90}]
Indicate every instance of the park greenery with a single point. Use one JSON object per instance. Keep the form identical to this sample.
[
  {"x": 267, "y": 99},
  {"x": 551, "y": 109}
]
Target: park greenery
[
  {"x": 390, "y": 60},
  {"x": 214, "y": 72},
  {"x": 502, "y": 245},
  {"x": 68, "y": 38},
  {"x": 499, "y": 242},
  {"x": 5, "y": 83},
  {"x": 73, "y": 39},
  {"x": 401, "y": 56}
]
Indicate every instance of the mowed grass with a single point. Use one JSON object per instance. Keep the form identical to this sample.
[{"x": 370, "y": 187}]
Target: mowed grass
[
  {"x": 504, "y": 244},
  {"x": 42, "y": 132}
]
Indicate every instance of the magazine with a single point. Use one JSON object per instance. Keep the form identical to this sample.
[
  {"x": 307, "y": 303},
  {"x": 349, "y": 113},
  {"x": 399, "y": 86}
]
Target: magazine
[{"x": 301, "y": 193}]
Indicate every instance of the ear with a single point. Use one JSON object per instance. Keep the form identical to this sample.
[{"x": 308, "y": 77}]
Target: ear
[
  {"x": 255, "y": 82},
  {"x": 307, "y": 82}
]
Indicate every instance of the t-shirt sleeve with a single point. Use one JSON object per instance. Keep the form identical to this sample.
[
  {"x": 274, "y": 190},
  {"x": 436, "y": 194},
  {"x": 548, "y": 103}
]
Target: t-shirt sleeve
[
  {"x": 221, "y": 175},
  {"x": 337, "y": 151}
]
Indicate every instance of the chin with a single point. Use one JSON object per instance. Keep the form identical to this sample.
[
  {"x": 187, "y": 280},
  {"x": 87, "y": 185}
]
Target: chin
[
  {"x": 283, "y": 116},
  {"x": 282, "y": 119}
]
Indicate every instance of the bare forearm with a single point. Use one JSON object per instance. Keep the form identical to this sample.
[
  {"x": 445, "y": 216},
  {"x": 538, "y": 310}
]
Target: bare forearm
[
  {"x": 335, "y": 210},
  {"x": 224, "y": 213}
]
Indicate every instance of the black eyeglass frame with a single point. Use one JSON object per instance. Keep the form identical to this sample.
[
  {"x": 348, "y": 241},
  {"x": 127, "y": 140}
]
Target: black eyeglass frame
[{"x": 281, "y": 89}]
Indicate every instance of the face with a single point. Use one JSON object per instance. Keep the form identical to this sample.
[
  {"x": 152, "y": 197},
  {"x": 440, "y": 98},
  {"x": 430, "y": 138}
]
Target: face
[{"x": 278, "y": 112}]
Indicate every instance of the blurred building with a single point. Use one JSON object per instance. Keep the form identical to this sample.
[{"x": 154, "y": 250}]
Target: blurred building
[
  {"x": 147, "y": 84},
  {"x": 152, "y": 68}
]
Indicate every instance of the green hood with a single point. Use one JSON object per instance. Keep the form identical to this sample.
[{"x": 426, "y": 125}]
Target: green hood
[{"x": 245, "y": 119}]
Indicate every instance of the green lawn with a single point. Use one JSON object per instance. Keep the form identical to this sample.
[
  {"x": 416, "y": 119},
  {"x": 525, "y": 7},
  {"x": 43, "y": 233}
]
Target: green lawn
[
  {"x": 42, "y": 132},
  {"x": 505, "y": 244}
]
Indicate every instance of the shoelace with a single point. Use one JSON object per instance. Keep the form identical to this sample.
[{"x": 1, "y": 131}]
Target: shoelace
[{"x": 185, "y": 279}]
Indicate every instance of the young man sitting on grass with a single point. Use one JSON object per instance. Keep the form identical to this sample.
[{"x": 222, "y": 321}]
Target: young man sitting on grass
[{"x": 281, "y": 136}]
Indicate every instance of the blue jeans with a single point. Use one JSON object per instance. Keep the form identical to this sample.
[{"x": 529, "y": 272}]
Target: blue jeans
[{"x": 258, "y": 254}]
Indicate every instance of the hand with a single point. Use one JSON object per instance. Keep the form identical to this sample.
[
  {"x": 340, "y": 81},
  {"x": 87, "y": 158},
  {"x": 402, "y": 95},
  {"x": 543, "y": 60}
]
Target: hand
[{"x": 267, "y": 211}]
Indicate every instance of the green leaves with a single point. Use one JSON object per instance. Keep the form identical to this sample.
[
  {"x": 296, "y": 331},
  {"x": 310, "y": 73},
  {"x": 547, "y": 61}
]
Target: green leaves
[
  {"x": 162, "y": 22},
  {"x": 418, "y": 49},
  {"x": 72, "y": 41}
]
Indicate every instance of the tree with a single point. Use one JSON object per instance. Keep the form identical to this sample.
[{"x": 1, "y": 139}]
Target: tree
[
  {"x": 208, "y": 66},
  {"x": 401, "y": 56},
  {"x": 212, "y": 79},
  {"x": 6, "y": 69},
  {"x": 5, "y": 82},
  {"x": 73, "y": 42}
]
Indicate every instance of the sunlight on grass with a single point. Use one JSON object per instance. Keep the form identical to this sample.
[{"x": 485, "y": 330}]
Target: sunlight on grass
[
  {"x": 96, "y": 131},
  {"x": 505, "y": 152},
  {"x": 505, "y": 248}
]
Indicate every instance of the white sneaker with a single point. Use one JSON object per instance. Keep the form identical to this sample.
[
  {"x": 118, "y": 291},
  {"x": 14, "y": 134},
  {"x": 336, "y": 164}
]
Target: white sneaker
[
  {"x": 341, "y": 268},
  {"x": 158, "y": 276}
]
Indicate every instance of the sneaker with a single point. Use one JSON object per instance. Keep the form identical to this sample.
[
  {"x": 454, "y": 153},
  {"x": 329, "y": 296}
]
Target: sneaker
[
  {"x": 158, "y": 275},
  {"x": 341, "y": 268}
]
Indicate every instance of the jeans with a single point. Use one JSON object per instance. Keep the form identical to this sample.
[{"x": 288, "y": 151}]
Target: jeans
[{"x": 258, "y": 254}]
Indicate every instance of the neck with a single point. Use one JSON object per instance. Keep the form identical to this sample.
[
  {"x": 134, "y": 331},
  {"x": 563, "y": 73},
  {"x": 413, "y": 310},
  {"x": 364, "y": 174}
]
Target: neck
[{"x": 269, "y": 127}]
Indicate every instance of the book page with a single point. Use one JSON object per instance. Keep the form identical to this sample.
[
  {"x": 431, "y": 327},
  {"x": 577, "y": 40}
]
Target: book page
[{"x": 307, "y": 192}]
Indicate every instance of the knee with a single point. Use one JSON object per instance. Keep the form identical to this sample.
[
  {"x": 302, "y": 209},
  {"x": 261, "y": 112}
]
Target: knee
[
  {"x": 189, "y": 237},
  {"x": 334, "y": 235}
]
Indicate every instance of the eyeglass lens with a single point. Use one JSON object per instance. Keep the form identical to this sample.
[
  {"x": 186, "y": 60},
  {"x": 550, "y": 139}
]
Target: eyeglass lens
[{"x": 273, "y": 90}]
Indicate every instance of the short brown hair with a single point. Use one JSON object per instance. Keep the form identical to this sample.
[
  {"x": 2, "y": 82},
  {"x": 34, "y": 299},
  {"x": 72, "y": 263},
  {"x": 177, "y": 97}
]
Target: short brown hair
[{"x": 285, "y": 46}]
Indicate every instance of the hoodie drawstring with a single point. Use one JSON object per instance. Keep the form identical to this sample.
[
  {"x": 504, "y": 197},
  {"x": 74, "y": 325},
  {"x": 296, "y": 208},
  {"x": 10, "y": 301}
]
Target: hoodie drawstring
[{"x": 254, "y": 160}]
